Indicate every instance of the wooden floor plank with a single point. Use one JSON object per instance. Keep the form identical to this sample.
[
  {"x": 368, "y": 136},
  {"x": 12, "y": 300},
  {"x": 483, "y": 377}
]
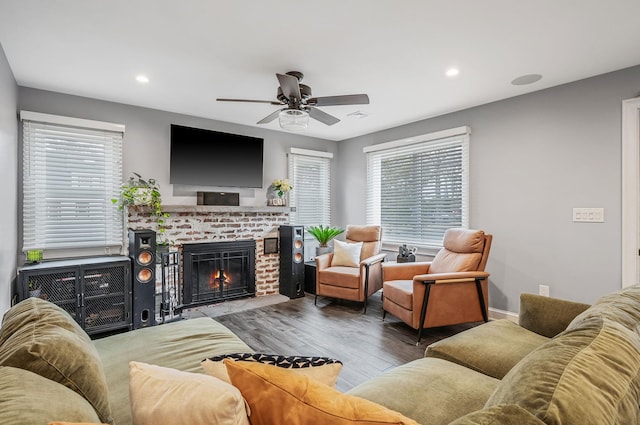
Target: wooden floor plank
[{"x": 365, "y": 343}]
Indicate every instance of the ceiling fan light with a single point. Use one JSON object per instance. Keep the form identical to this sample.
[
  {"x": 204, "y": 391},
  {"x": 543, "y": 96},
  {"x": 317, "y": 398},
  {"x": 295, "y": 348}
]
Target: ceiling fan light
[{"x": 293, "y": 119}]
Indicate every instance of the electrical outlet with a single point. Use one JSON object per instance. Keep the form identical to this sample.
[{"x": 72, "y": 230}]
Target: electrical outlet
[{"x": 543, "y": 290}]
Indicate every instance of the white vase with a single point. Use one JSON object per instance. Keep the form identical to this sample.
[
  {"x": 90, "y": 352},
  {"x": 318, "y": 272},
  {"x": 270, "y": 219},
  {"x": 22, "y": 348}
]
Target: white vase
[
  {"x": 320, "y": 250},
  {"x": 274, "y": 199}
]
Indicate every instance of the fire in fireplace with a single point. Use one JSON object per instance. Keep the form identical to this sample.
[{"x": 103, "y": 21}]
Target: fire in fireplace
[{"x": 218, "y": 271}]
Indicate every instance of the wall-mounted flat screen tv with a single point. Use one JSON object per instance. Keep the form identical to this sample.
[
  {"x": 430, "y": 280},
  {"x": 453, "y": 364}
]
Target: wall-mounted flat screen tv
[{"x": 210, "y": 158}]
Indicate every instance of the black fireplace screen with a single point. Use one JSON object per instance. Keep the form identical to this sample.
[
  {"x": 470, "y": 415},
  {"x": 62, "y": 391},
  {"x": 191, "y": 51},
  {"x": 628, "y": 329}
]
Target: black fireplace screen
[{"x": 218, "y": 271}]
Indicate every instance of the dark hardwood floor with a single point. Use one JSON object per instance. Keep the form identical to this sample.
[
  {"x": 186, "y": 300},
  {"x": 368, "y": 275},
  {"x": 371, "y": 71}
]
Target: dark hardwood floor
[{"x": 365, "y": 344}]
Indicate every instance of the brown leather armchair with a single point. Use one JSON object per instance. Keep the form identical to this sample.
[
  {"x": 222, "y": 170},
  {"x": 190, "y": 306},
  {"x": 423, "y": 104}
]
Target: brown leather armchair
[
  {"x": 449, "y": 290},
  {"x": 353, "y": 283}
]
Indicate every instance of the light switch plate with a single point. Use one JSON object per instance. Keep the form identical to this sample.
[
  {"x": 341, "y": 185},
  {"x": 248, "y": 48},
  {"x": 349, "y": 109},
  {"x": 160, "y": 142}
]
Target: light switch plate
[{"x": 588, "y": 215}]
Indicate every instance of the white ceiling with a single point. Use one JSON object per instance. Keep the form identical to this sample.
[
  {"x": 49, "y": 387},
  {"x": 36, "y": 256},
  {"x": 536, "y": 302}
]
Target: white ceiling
[{"x": 194, "y": 51}]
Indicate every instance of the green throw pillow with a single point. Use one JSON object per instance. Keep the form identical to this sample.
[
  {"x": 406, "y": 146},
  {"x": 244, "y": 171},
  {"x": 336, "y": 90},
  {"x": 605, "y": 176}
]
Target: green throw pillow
[
  {"x": 60, "y": 355},
  {"x": 28, "y": 398},
  {"x": 588, "y": 375},
  {"x": 35, "y": 310}
]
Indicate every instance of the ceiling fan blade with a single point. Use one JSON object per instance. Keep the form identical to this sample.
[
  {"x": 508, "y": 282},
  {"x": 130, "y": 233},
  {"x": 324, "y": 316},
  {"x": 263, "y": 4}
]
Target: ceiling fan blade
[
  {"x": 347, "y": 99},
  {"x": 322, "y": 116},
  {"x": 269, "y": 117},
  {"x": 271, "y": 102},
  {"x": 290, "y": 86}
]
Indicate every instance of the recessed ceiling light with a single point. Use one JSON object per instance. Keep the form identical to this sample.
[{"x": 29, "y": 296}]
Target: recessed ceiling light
[
  {"x": 142, "y": 79},
  {"x": 526, "y": 79},
  {"x": 452, "y": 72}
]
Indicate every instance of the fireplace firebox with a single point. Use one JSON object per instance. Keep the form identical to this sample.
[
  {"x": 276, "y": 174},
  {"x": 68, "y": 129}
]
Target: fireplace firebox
[{"x": 218, "y": 271}]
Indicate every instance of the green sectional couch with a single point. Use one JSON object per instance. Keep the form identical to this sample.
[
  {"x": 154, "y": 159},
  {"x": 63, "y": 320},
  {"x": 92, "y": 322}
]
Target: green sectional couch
[{"x": 566, "y": 363}]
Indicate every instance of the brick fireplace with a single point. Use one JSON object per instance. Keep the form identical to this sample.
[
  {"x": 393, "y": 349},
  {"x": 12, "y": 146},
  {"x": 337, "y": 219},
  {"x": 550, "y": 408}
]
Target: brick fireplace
[{"x": 189, "y": 224}]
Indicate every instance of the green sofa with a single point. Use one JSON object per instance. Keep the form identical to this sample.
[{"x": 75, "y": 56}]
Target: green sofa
[
  {"x": 41, "y": 347},
  {"x": 566, "y": 363}
]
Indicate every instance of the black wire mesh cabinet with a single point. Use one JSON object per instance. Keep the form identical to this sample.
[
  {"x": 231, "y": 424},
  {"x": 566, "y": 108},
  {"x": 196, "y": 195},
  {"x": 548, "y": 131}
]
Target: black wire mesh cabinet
[{"x": 96, "y": 292}]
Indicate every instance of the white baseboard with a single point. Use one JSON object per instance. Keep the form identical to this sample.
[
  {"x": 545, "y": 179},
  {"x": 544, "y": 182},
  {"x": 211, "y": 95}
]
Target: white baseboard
[{"x": 495, "y": 313}]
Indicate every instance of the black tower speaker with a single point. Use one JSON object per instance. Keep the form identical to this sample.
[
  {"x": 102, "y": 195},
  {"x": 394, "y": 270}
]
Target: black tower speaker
[
  {"x": 292, "y": 261},
  {"x": 142, "y": 250}
]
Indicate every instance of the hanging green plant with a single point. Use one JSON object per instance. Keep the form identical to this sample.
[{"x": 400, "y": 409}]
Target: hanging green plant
[{"x": 144, "y": 192}]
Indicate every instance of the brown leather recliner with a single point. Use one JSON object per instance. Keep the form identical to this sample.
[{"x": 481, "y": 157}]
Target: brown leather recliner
[
  {"x": 353, "y": 283},
  {"x": 449, "y": 290}
]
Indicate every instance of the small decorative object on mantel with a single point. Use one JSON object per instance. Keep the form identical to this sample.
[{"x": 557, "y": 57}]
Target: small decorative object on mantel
[
  {"x": 406, "y": 255},
  {"x": 277, "y": 193}
]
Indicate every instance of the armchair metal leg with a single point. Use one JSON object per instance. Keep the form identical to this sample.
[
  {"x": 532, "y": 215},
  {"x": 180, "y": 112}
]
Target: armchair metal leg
[
  {"x": 315, "y": 300},
  {"x": 423, "y": 312},
  {"x": 366, "y": 288},
  {"x": 483, "y": 306}
]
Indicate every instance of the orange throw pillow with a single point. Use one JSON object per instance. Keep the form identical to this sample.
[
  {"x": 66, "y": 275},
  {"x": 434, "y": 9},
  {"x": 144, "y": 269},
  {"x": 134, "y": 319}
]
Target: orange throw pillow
[{"x": 280, "y": 396}]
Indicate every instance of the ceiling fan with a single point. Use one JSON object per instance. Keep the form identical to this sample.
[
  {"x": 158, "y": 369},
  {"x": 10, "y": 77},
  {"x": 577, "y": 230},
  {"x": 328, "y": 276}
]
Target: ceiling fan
[{"x": 299, "y": 105}]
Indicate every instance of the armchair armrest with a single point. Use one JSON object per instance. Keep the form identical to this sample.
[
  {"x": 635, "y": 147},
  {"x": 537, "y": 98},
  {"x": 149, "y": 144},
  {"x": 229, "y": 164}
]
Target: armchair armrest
[
  {"x": 453, "y": 277},
  {"x": 378, "y": 258},
  {"x": 323, "y": 261},
  {"x": 404, "y": 271},
  {"x": 547, "y": 316}
]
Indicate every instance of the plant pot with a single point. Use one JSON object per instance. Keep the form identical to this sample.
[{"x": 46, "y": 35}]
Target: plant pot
[
  {"x": 35, "y": 293},
  {"x": 323, "y": 250},
  {"x": 142, "y": 196},
  {"x": 275, "y": 200}
]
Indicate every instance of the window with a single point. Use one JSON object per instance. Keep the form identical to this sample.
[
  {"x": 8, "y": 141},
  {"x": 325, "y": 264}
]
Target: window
[
  {"x": 417, "y": 188},
  {"x": 310, "y": 175},
  {"x": 72, "y": 168}
]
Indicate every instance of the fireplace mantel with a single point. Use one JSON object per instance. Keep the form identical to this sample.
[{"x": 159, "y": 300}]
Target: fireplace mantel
[{"x": 215, "y": 209}]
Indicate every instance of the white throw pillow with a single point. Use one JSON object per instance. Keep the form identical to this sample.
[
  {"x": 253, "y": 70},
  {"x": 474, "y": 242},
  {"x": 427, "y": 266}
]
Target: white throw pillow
[
  {"x": 346, "y": 254},
  {"x": 161, "y": 395}
]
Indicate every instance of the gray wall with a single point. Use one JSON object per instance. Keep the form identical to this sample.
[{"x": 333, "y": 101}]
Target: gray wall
[
  {"x": 8, "y": 177},
  {"x": 533, "y": 158},
  {"x": 147, "y": 140}
]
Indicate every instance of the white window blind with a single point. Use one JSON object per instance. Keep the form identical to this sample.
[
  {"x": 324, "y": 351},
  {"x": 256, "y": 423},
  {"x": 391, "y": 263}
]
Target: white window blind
[
  {"x": 418, "y": 189},
  {"x": 71, "y": 170},
  {"x": 310, "y": 175}
]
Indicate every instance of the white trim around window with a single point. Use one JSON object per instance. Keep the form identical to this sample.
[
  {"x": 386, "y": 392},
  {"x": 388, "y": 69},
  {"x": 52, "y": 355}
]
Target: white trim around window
[
  {"x": 72, "y": 169},
  {"x": 418, "y": 187},
  {"x": 310, "y": 175}
]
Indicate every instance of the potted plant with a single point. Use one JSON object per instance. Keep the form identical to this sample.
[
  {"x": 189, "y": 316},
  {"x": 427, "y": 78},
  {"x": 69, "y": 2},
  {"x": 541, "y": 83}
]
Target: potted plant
[
  {"x": 323, "y": 234},
  {"x": 145, "y": 192}
]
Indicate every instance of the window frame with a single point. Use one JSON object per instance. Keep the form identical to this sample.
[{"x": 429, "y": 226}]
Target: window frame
[
  {"x": 421, "y": 143},
  {"x": 325, "y": 204},
  {"x": 104, "y": 187}
]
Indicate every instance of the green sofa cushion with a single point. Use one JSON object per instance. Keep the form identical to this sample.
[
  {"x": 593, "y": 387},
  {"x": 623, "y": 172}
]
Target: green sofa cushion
[
  {"x": 588, "y": 375},
  {"x": 28, "y": 398},
  {"x": 179, "y": 345},
  {"x": 492, "y": 348},
  {"x": 622, "y": 307},
  {"x": 35, "y": 310},
  {"x": 59, "y": 354},
  {"x": 501, "y": 414},
  {"x": 429, "y": 390}
]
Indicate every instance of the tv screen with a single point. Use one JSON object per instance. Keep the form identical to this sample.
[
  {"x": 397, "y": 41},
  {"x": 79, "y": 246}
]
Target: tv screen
[{"x": 211, "y": 158}]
